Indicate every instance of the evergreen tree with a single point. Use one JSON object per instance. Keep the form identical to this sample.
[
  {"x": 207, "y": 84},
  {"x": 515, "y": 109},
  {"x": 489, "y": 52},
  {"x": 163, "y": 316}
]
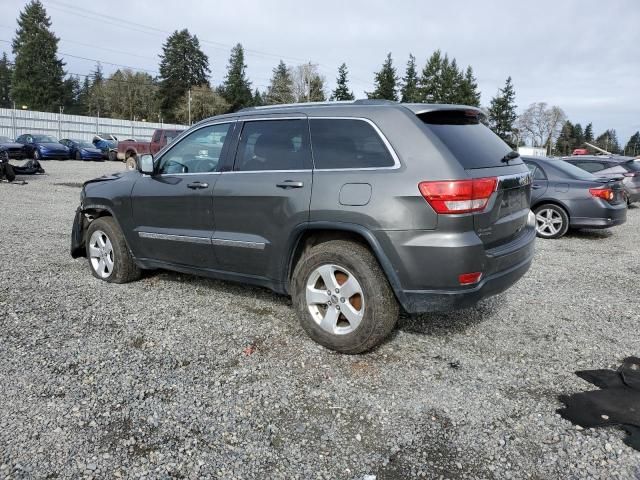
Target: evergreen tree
[
  {"x": 450, "y": 81},
  {"x": 578, "y": 136},
  {"x": 565, "y": 141},
  {"x": 468, "y": 90},
  {"x": 385, "y": 82},
  {"x": 588, "y": 133},
  {"x": 130, "y": 95},
  {"x": 95, "y": 104},
  {"x": 342, "y": 91},
  {"x": 502, "y": 114},
  {"x": 83, "y": 97},
  {"x": 71, "y": 95},
  {"x": 429, "y": 84},
  {"x": 257, "y": 99},
  {"x": 281, "y": 88},
  {"x": 608, "y": 141},
  {"x": 6, "y": 71},
  {"x": 183, "y": 65},
  {"x": 316, "y": 89},
  {"x": 409, "y": 92},
  {"x": 38, "y": 75},
  {"x": 632, "y": 148},
  {"x": 236, "y": 88}
]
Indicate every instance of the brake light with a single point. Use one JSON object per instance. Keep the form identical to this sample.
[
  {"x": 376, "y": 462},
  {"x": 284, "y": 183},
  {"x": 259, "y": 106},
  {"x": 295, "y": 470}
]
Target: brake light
[
  {"x": 604, "y": 193},
  {"x": 469, "y": 278},
  {"x": 458, "y": 196}
]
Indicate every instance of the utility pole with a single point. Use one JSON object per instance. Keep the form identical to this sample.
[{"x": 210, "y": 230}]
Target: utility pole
[{"x": 189, "y": 106}]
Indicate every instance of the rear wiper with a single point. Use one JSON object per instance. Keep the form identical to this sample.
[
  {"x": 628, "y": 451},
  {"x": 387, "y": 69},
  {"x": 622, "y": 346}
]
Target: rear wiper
[{"x": 509, "y": 156}]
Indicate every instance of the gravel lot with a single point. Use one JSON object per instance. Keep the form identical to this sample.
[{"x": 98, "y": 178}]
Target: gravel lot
[{"x": 178, "y": 376}]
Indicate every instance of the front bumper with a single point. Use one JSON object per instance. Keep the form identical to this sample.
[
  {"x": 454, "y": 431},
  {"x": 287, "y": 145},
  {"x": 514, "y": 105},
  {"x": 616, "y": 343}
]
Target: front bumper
[
  {"x": 46, "y": 155},
  {"x": 92, "y": 156}
]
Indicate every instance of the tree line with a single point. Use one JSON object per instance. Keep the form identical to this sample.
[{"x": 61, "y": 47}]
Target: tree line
[{"x": 182, "y": 91}]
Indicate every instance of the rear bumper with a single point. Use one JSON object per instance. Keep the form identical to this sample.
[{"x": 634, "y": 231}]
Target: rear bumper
[
  {"x": 427, "y": 265},
  {"x": 610, "y": 217},
  {"x": 419, "y": 301}
]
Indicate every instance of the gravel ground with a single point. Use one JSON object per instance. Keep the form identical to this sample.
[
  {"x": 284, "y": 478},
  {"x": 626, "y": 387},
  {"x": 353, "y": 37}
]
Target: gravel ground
[{"x": 178, "y": 376}]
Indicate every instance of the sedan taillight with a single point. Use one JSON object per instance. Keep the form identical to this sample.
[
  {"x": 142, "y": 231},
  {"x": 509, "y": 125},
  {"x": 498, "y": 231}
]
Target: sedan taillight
[
  {"x": 458, "y": 196},
  {"x": 604, "y": 193}
]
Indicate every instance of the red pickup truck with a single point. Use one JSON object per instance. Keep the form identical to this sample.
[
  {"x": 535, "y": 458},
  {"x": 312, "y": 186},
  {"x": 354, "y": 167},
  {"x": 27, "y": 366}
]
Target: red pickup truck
[{"x": 129, "y": 150}]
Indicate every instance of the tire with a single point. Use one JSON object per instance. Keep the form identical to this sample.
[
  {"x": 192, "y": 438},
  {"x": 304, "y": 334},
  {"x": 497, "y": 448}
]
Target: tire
[
  {"x": 104, "y": 233},
  {"x": 373, "y": 312},
  {"x": 131, "y": 163},
  {"x": 9, "y": 173},
  {"x": 113, "y": 156},
  {"x": 78, "y": 155},
  {"x": 552, "y": 221}
]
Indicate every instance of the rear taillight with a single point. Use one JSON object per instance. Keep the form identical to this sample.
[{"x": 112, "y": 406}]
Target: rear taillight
[
  {"x": 458, "y": 196},
  {"x": 631, "y": 174},
  {"x": 604, "y": 193}
]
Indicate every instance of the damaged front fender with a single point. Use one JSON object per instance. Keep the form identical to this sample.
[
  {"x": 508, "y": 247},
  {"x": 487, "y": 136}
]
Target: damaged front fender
[{"x": 77, "y": 235}]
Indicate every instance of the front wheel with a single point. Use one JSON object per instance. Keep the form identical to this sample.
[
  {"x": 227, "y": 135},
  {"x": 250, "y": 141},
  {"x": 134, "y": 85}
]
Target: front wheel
[
  {"x": 552, "y": 221},
  {"x": 78, "y": 155},
  {"x": 132, "y": 164},
  {"x": 113, "y": 156},
  {"x": 108, "y": 254},
  {"x": 343, "y": 298}
]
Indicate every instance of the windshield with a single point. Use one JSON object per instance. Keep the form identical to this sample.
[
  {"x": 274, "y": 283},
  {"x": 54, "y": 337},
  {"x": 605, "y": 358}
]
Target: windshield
[
  {"x": 84, "y": 144},
  {"x": 44, "y": 139}
]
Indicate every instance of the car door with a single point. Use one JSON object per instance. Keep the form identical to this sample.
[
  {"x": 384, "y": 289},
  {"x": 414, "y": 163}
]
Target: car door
[
  {"x": 173, "y": 209},
  {"x": 264, "y": 195},
  {"x": 540, "y": 182}
]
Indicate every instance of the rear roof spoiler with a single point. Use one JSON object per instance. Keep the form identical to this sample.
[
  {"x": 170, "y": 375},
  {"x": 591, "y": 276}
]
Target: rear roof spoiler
[{"x": 419, "y": 108}]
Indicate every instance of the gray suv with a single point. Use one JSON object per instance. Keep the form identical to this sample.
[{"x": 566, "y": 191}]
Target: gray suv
[{"x": 355, "y": 209}]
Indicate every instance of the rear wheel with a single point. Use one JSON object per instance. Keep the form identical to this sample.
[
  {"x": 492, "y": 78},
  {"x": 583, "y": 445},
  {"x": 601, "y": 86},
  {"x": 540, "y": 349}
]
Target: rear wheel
[
  {"x": 552, "y": 221},
  {"x": 343, "y": 298},
  {"x": 108, "y": 254},
  {"x": 113, "y": 156}
]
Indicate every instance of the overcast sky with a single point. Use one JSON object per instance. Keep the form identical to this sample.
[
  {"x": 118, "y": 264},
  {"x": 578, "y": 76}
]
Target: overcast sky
[{"x": 580, "y": 55}]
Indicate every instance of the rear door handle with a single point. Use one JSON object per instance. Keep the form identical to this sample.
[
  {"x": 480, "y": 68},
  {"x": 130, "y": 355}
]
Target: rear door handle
[
  {"x": 290, "y": 184},
  {"x": 197, "y": 185}
]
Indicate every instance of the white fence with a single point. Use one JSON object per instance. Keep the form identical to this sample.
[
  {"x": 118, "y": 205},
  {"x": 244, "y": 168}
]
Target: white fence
[{"x": 14, "y": 123}]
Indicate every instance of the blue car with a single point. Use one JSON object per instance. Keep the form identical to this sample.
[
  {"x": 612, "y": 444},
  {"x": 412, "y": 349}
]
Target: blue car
[
  {"x": 108, "y": 144},
  {"x": 42, "y": 147},
  {"x": 82, "y": 150}
]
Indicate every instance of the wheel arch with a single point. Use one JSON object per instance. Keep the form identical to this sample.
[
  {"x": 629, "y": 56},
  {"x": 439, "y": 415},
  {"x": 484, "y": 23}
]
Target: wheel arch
[
  {"x": 95, "y": 211},
  {"x": 310, "y": 234}
]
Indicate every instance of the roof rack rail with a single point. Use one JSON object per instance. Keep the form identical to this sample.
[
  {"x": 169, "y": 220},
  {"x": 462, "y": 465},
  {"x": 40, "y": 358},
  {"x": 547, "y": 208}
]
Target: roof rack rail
[{"x": 374, "y": 101}]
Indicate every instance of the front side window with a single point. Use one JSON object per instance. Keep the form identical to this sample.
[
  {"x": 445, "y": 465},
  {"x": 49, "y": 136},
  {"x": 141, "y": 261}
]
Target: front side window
[
  {"x": 347, "y": 143},
  {"x": 198, "y": 152},
  {"x": 536, "y": 172},
  {"x": 273, "y": 145}
]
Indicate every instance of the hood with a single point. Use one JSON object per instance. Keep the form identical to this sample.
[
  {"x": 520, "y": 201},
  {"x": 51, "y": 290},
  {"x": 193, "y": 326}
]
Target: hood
[
  {"x": 11, "y": 145},
  {"x": 51, "y": 145},
  {"x": 105, "y": 178}
]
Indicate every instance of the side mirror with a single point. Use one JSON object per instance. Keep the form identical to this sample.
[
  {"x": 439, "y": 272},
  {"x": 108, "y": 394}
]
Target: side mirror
[{"x": 145, "y": 164}]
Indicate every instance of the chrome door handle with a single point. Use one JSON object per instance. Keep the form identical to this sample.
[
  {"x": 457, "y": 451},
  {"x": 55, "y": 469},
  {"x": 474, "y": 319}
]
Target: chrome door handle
[
  {"x": 197, "y": 185},
  {"x": 290, "y": 184}
]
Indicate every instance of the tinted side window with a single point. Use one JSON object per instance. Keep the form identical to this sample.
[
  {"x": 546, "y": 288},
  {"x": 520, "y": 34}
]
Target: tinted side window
[
  {"x": 198, "y": 152},
  {"x": 347, "y": 143},
  {"x": 614, "y": 169},
  {"x": 273, "y": 145}
]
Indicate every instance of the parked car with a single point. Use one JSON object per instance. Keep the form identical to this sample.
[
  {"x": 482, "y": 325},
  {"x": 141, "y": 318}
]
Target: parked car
[
  {"x": 565, "y": 196},
  {"x": 580, "y": 151},
  {"x": 108, "y": 144},
  {"x": 82, "y": 150},
  {"x": 612, "y": 167},
  {"x": 42, "y": 147},
  {"x": 350, "y": 208},
  {"x": 13, "y": 149},
  {"x": 130, "y": 150}
]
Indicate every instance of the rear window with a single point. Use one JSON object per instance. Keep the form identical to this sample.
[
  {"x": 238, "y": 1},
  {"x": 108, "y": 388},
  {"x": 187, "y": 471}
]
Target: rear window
[
  {"x": 633, "y": 166},
  {"x": 347, "y": 143},
  {"x": 572, "y": 171},
  {"x": 473, "y": 144}
]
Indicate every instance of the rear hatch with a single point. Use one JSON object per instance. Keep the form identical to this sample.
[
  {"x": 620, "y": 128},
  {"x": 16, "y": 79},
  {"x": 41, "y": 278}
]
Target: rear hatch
[{"x": 484, "y": 155}]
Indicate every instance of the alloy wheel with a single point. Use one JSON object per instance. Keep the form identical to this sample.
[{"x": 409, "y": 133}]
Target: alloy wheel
[
  {"x": 101, "y": 254},
  {"x": 548, "y": 222},
  {"x": 335, "y": 299}
]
